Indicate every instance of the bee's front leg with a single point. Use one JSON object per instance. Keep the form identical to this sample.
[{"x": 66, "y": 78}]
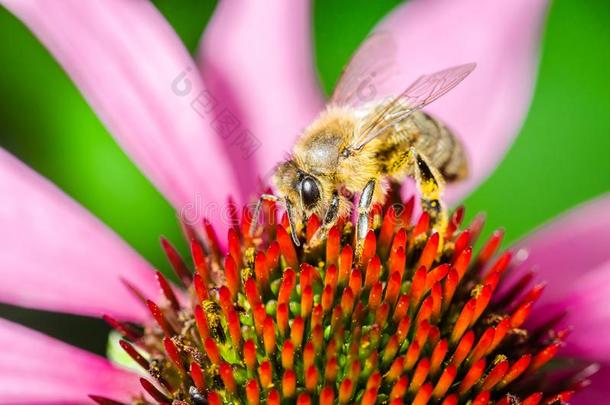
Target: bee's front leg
[
  {"x": 257, "y": 210},
  {"x": 329, "y": 219}
]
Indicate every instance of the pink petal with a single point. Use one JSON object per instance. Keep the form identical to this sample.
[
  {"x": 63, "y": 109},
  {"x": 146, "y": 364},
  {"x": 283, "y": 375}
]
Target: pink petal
[
  {"x": 127, "y": 61},
  {"x": 35, "y": 368},
  {"x": 257, "y": 61},
  {"x": 596, "y": 393},
  {"x": 56, "y": 256},
  {"x": 572, "y": 255},
  {"x": 488, "y": 108}
]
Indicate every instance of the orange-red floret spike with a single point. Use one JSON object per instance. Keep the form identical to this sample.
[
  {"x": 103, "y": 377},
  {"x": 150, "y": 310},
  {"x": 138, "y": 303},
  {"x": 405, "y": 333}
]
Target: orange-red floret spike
[
  {"x": 451, "y": 400},
  {"x": 382, "y": 313},
  {"x": 400, "y": 240},
  {"x": 425, "y": 311},
  {"x": 490, "y": 247},
  {"x": 369, "y": 397},
  {"x": 313, "y": 224},
  {"x": 472, "y": 376},
  {"x": 167, "y": 291},
  {"x": 234, "y": 328},
  {"x": 289, "y": 384},
  {"x": 309, "y": 355},
  {"x": 311, "y": 378},
  {"x": 273, "y": 397},
  {"x": 422, "y": 226},
  {"x": 234, "y": 246},
  {"x": 159, "y": 317},
  {"x": 272, "y": 256},
  {"x": 463, "y": 348},
  {"x": 516, "y": 370},
  {"x": 418, "y": 284},
  {"x": 420, "y": 374},
  {"x": 201, "y": 322},
  {"x": 123, "y": 328},
  {"x": 482, "y": 398},
  {"x": 199, "y": 259},
  {"x": 500, "y": 332},
  {"x": 401, "y": 308},
  {"x": 482, "y": 301},
  {"x": 461, "y": 243},
  {"x": 226, "y": 374},
  {"x": 561, "y": 398},
  {"x": 444, "y": 382},
  {"x": 436, "y": 275},
  {"x": 333, "y": 244},
  {"x": 287, "y": 355},
  {"x": 197, "y": 376},
  {"x": 212, "y": 350},
  {"x": 407, "y": 212},
  {"x": 134, "y": 354},
  {"x": 463, "y": 320},
  {"x": 533, "y": 399},
  {"x": 265, "y": 374},
  {"x": 260, "y": 270},
  {"x": 375, "y": 296},
  {"x": 252, "y": 392},
  {"x": 412, "y": 355},
  {"x": 252, "y": 294},
  {"x": 544, "y": 356},
  {"x": 462, "y": 261},
  {"x": 331, "y": 276},
  {"x": 201, "y": 289},
  {"x": 393, "y": 288},
  {"x": 434, "y": 336},
  {"x": 396, "y": 369},
  {"x": 454, "y": 222},
  {"x": 154, "y": 392},
  {"x": 249, "y": 352},
  {"x": 269, "y": 335},
  {"x": 423, "y": 395},
  {"x": 304, "y": 399},
  {"x": 438, "y": 355},
  {"x": 296, "y": 331},
  {"x": 391, "y": 348},
  {"x": 429, "y": 253},
  {"x": 451, "y": 283},
  {"x": 331, "y": 369},
  {"x": 306, "y": 301},
  {"x": 345, "y": 391},
  {"x": 317, "y": 337},
  {"x": 327, "y": 298},
  {"x": 373, "y": 269},
  {"x": 287, "y": 285},
  {"x": 347, "y": 302},
  {"x": 437, "y": 301},
  {"x": 399, "y": 388},
  {"x": 259, "y": 318},
  {"x": 387, "y": 229},
  {"x": 213, "y": 398},
  {"x": 482, "y": 345},
  {"x": 355, "y": 282},
  {"x": 173, "y": 354},
  {"x": 369, "y": 247},
  {"x": 345, "y": 263},
  {"x": 287, "y": 247},
  {"x": 520, "y": 315},
  {"x": 495, "y": 375},
  {"x": 374, "y": 381},
  {"x": 403, "y": 328},
  {"x": 176, "y": 262},
  {"x": 534, "y": 294},
  {"x": 225, "y": 299},
  {"x": 327, "y": 396},
  {"x": 397, "y": 261}
]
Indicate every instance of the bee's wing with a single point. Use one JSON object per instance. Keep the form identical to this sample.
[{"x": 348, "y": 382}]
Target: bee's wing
[
  {"x": 364, "y": 78},
  {"x": 420, "y": 93}
]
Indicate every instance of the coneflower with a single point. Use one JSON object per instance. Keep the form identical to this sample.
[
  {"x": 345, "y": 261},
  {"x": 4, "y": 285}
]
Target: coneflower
[{"x": 407, "y": 316}]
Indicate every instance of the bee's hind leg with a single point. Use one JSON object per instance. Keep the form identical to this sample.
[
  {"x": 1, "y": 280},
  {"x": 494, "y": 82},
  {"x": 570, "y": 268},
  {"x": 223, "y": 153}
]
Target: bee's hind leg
[{"x": 431, "y": 184}]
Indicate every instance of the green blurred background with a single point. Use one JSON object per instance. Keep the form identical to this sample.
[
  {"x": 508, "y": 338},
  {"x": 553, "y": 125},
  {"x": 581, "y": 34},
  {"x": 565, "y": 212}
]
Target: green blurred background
[{"x": 559, "y": 159}]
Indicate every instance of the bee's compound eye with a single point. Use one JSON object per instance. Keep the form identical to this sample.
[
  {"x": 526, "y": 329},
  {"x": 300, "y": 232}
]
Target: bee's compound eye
[{"x": 310, "y": 193}]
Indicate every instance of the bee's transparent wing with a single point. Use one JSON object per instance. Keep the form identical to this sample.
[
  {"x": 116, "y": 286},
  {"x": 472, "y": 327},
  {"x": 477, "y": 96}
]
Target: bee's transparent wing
[
  {"x": 366, "y": 75},
  {"x": 420, "y": 93}
]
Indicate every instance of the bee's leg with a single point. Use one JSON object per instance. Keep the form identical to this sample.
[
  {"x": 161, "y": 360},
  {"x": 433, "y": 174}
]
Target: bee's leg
[
  {"x": 291, "y": 220},
  {"x": 257, "y": 210},
  {"x": 329, "y": 219},
  {"x": 364, "y": 209},
  {"x": 430, "y": 184}
]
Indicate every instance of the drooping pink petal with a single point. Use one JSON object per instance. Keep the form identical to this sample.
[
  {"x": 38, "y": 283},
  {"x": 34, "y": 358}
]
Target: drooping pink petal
[
  {"x": 134, "y": 71},
  {"x": 35, "y": 368},
  {"x": 488, "y": 108},
  {"x": 572, "y": 255},
  {"x": 56, "y": 256},
  {"x": 257, "y": 61}
]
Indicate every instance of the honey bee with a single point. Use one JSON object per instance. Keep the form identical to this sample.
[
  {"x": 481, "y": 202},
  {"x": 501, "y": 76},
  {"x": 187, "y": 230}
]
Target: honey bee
[{"x": 362, "y": 145}]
